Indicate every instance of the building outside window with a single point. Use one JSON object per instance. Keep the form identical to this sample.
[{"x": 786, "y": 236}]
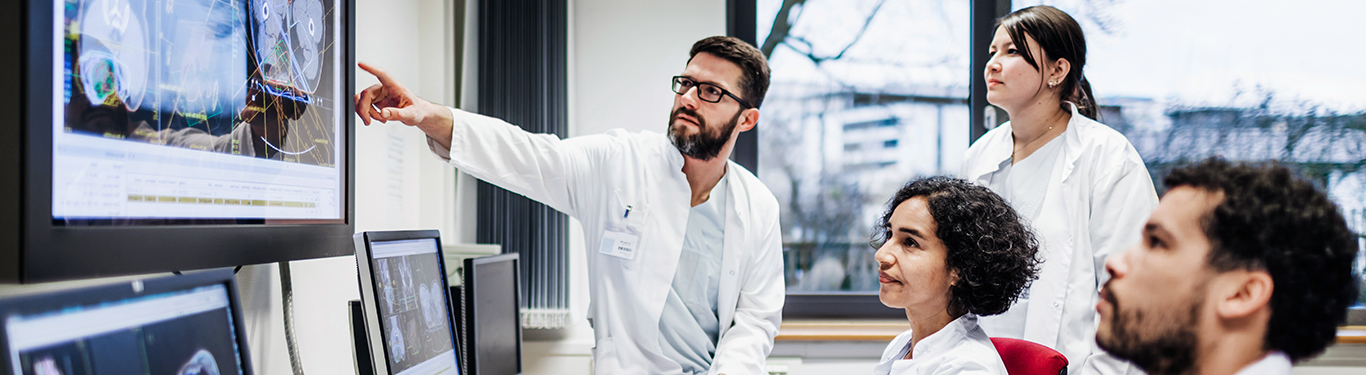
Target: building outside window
[{"x": 865, "y": 96}]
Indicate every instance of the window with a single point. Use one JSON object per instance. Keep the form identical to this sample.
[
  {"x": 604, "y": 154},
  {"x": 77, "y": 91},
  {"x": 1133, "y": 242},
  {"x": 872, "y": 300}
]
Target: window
[
  {"x": 1244, "y": 80},
  {"x": 865, "y": 96},
  {"x": 1250, "y": 80}
]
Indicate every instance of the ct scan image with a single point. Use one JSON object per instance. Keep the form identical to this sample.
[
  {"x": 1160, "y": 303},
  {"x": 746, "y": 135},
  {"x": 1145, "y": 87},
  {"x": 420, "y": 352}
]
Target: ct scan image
[
  {"x": 244, "y": 77},
  {"x": 416, "y": 322}
]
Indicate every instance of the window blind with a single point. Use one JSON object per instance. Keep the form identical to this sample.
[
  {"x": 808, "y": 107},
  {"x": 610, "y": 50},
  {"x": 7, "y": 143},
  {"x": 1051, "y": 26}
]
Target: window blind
[{"x": 522, "y": 79}]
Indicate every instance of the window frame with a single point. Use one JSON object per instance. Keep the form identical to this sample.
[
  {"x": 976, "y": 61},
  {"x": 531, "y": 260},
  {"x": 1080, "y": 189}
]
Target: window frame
[{"x": 741, "y": 21}]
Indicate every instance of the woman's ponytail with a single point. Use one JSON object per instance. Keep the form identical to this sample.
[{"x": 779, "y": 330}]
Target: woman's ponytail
[{"x": 1086, "y": 103}]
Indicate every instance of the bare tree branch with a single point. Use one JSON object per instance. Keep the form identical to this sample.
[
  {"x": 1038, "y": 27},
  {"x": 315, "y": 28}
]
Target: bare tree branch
[
  {"x": 810, "y": 51},
  {"x": 781, "y": 27}
]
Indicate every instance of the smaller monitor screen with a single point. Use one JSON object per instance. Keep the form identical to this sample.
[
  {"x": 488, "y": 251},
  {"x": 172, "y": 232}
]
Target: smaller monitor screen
[
  {"x": 184, "y": 332},
  {"x": 414, "y": 314}
]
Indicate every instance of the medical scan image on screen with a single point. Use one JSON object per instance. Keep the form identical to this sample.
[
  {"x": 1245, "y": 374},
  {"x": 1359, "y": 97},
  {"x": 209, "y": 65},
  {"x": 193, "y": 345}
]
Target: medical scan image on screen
[
  {"x": 197, "y": 109},
  {"x": 413, "y": 307},
  {"x": 183, "y": 333}
]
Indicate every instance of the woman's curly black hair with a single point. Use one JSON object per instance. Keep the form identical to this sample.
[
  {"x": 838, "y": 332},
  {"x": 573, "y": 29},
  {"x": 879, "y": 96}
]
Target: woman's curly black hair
[
  {"x": 993, "y": 250},
  {"x": 1272, "y": 219}
]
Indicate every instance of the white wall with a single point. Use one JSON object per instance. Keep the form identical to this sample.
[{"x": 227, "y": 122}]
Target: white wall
[{"x": 625, "y": 51}]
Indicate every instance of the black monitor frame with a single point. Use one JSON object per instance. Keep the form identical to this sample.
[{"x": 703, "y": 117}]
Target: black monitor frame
[
  {"x": 473, "y": 331},
  {"x": 52, "y": 301},
  {"x": 369, "y": 288},
  {"x": 34, "y": 249}
]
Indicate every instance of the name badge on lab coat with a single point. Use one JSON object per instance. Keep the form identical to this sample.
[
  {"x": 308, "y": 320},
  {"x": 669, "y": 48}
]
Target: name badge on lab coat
[{"x": 618, "y": 244}]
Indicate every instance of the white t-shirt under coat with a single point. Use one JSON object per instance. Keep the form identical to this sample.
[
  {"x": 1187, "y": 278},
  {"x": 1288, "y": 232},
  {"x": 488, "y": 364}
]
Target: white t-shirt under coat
[
  {"x": 688, "y": 326},
  {"x": 1023, "y": 184}
]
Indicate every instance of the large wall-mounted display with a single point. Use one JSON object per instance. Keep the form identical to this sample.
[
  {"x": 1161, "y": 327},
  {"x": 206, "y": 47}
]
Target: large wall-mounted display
[
  {"x": 195, "y": 109},
  {"x": 166, "y": 135}
]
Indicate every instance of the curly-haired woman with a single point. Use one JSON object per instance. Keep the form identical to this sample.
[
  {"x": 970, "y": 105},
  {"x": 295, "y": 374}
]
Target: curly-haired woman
[{"x": 950, "y": 251}]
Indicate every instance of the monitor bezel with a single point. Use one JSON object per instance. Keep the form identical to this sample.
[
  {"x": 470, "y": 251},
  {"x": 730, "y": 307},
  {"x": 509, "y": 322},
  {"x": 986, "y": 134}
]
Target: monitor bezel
[
  {"x": 471, "y": 294},
  {"x": 51, "y": 301},
  {"x": 45, "y": 251},
  {"x": 379, "y": 349}
]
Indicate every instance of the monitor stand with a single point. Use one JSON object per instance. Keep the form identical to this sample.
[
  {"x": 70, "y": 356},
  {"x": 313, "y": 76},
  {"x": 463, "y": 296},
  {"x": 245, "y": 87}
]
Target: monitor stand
[{"x": 359, "y": 341}]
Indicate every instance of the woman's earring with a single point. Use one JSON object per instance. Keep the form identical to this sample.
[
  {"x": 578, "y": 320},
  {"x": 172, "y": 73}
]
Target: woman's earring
[{"x": 1052, "y": 83}]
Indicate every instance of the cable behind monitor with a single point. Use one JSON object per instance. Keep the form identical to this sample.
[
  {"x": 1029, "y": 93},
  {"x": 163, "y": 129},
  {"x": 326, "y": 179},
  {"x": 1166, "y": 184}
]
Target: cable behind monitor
[
  {"x": 461, "y": 328},
  {"x": 287, "y": 299}
]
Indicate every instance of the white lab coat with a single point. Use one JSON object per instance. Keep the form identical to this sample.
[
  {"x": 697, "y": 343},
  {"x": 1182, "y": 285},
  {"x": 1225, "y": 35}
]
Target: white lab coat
[
  {"x": 595, "y": 179},
  {"x": 961, "y": 347},
  {"x": 1099, "y": 198}
]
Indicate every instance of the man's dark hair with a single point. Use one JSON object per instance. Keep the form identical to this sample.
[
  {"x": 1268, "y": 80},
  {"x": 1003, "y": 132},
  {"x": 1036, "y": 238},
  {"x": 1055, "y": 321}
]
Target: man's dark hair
[
  {"x": 753, "y": 66},
  {"x": 993, "y": 250},
  {"x": 1275, "y": 220}
]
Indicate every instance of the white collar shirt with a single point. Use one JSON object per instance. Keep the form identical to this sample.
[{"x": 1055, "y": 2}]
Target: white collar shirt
[{"x": 961, "y": 347}]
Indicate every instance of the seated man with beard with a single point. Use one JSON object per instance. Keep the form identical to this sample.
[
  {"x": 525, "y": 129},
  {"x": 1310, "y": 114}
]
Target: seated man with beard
[{"x": 1243, "y": 268}]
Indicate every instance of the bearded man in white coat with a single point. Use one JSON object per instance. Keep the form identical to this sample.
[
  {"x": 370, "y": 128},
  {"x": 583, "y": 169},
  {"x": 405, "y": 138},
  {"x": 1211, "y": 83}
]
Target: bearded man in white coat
[{"x": 684, "y": 249}]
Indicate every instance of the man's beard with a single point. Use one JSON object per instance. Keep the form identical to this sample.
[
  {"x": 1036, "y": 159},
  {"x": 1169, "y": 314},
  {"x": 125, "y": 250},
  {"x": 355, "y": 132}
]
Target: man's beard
[
  {"x": 1167, "y": 348},
  {"x": 699, "y": 146}
]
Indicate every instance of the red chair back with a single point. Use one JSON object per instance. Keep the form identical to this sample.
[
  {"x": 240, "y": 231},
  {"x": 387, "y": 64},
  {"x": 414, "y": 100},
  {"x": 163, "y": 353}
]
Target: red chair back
[{"x": 1027, "y": 358}]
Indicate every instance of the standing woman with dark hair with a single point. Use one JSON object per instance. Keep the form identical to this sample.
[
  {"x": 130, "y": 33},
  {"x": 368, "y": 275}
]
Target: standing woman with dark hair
[{"x": 1080, "y": 184}]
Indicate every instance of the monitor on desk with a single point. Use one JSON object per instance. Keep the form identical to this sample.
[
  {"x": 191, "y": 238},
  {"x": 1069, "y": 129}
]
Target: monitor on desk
[
  {"x": 405, "y": 303},
  {"x": 492, "y": 325},
  {"x": 186, "y": 325}
]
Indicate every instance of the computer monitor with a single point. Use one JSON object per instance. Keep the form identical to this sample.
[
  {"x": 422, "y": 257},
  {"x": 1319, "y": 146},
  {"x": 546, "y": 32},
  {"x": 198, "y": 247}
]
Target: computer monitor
[
  {"x": 406, "y": 305},
  {"x": 141, "y": 125},
  {"x": 186, "y": 324},
  {"x": 492, "y": 324}
]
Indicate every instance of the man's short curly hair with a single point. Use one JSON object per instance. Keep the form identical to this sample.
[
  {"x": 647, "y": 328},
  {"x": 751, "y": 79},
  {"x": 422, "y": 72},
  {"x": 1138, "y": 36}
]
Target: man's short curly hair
[
  {"x": 1274, "y": 220},
  {"x": 994, "y": 251}
]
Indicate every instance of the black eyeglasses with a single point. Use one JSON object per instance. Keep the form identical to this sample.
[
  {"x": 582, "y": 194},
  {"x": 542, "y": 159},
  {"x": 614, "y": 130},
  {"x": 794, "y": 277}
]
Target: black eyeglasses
[{"x": 708, "y": 92}]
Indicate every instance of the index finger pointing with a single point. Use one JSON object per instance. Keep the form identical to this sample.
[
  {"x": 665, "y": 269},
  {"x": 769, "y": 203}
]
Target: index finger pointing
[{"x": 378, "y": 72}]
